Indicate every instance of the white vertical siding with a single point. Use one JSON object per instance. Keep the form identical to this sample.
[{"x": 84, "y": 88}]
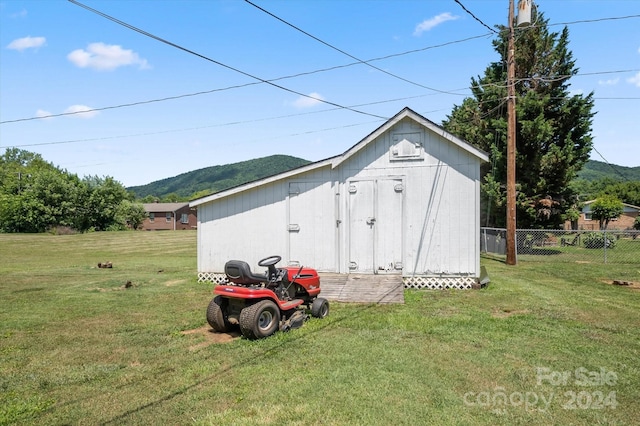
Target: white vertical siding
[
  {"x": 442, "y": 229},
  {"x": 311, "y": 226},
  {"x": 254, "y": 224},
  {"x": 248, "y": 226},
  {"x": 306, "y": 217},
  {"x": 441, "y": 218}
]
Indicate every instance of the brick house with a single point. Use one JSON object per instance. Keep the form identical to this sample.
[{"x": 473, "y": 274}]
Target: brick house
[
  {"x": 169, "y": 216},
  {"x": 625, "y": 221}
]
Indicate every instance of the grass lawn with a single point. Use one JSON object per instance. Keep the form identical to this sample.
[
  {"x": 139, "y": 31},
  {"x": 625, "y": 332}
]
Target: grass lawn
[{"x": 545, "y": 343}]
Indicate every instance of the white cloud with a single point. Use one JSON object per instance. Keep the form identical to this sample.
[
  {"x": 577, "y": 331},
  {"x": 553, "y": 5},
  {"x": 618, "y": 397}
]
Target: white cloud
[
  {"x": 307, "y": 102},
  {"x": 429, "y": 24},
  {"x": 611, "y": 82},
  {"x": 27, "y": 43},
  {"x": 635, "y": 80},
  {"x": 43, "y": 113},
  {"x": 21, "y": 14},
  {"x": 105, "y": 57},
  {"x": 77, "y": 111}
]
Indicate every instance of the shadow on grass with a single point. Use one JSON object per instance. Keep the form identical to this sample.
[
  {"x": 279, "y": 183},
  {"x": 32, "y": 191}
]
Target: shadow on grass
[
  {"x": 538, "y": 251},
  {"x": 523, "y": 251},
  {"x": 267, "y": 354},
  {"x": 492, "y": 256}
]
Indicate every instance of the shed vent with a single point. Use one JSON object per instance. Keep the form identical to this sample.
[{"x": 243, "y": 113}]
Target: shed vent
[{"x": 406, "y": 146}]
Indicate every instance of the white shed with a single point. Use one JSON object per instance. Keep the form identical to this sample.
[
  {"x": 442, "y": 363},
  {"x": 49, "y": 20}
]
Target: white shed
[{"x": 404, "y": 200}]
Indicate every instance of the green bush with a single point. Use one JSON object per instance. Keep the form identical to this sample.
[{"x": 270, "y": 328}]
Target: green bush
[{"x": 595, "y": 240}]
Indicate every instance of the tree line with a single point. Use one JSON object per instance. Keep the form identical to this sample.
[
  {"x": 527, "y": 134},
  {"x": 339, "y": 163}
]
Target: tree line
[
  {"x": 199, "y": 183},
  {"x": 36, "y": 196}
]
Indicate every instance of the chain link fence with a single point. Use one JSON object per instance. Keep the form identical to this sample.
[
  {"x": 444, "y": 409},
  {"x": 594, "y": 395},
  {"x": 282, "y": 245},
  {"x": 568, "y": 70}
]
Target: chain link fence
[{"x": 540, "y": 245}]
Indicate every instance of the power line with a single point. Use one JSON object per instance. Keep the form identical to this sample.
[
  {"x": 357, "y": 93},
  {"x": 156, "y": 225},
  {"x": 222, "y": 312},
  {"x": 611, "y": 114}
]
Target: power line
[
  {"x": 342, "y": 51},
  {"x": 170, "y": 131},
  {"x": 475, "y": 17},
  {"x": 610, "y": 165},
  {"x": 168, "y": 98},
  {"x": 588, "y": 21},
  {"x": 130, "y": 104},
  {"x": 206, "y": 58},
  {"x": 583, "y": 21},
  {"x": 206, "y": 92},
  {"x": 216, "y": 125}
]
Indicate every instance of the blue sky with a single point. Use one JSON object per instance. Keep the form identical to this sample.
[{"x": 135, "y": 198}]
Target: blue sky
[{"x": 57, "y": 57}]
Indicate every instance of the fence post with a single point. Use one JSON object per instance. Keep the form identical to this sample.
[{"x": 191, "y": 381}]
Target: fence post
[
  {"x": 604, "y": 235},
  {"x": 484, "y": 233}
]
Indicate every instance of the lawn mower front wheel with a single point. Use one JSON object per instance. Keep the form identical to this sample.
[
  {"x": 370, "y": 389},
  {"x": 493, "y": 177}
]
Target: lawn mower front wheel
[
  {"x": 320, "y": 308},
  {"x": 260, "y": 320},
  {"x": 216, "y": 316}
]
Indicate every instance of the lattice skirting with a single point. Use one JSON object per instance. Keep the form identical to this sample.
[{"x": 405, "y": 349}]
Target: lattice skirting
[
  {"x": 212, "y": 277},
  {"x": 415, "y": 282},
  {"x": 440, "y": 282}
]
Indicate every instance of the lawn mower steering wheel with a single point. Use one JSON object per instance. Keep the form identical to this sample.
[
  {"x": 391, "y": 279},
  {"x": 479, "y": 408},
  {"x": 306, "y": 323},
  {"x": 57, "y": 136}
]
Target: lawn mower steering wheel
[{"x": 270, "y": 261}]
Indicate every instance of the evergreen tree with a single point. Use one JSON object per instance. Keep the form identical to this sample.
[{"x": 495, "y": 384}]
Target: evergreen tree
[{"x": 553, "y": 137}]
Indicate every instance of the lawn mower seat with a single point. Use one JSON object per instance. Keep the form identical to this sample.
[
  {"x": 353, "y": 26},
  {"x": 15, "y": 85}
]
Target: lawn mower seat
[{"x": 239, "y": 272}]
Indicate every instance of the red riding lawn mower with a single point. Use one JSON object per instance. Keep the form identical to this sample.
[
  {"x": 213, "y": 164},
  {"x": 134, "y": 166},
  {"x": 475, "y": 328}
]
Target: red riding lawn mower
[{"x": 261, "y": 304}]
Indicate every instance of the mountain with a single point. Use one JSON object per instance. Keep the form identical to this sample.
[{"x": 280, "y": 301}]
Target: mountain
[
  {"x": 218, "y": 178},
  {"x": 596, "y": 170}
]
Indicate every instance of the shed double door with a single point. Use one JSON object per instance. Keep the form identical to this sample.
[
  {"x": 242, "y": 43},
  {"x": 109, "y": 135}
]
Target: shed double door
[{"x": 375, "y": 225}]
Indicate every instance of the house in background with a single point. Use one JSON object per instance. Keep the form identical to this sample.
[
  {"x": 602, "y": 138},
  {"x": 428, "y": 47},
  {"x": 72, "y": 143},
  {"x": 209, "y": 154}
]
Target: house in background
[
  {"x": 625, "y": 221},
  {"x": 169, "y": 216},
  {"x": 405, "y": 200}
]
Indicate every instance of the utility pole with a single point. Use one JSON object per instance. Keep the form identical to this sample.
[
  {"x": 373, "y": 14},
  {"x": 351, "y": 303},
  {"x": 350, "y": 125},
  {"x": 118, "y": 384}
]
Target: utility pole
[
  {"x": 524, "y": 17},
  {"x": 511, "y": 144}
]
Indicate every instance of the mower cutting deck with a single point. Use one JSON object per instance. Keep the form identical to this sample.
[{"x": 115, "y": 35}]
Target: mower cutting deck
[{"x": 261, "y": 304}]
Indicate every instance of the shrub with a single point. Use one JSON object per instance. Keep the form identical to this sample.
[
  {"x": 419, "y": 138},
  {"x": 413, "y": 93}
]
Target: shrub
[{"x": 595, "y": 240}]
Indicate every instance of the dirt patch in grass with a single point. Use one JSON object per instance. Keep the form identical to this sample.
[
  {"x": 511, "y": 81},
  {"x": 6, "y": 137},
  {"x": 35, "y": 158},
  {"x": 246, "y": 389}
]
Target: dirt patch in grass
[
  {"x": 623, "y": 283},
  {"x": 210, "y": 337},
  {"x": 506, "y": 312},
  {"x": 126, "y": 286}
]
